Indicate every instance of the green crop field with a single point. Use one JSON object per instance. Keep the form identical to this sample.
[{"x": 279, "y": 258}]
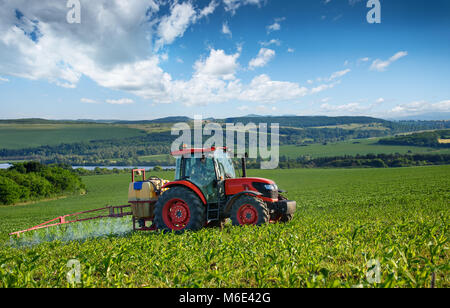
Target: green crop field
[
  {"x": 354, "y": 147},
  {"x": 346, "y": 218},
  {"x": 19, "y": 136}
]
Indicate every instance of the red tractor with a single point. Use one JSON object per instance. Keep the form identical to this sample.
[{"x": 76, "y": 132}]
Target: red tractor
[{"x": 206, "y": 192}]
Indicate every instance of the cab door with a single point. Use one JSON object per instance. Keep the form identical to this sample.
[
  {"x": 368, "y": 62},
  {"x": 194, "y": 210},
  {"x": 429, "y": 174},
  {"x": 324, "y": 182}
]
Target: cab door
[{"x": 202, "y": 173}]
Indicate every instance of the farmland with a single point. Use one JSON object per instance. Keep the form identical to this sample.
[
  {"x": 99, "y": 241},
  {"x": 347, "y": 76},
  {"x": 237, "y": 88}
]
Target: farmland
[
  {"x": 19, "y": 136},
  {"x": 148, "y": 142},
  {"x": 353, "y": 148},
  {"x": 345, "y": 218}
]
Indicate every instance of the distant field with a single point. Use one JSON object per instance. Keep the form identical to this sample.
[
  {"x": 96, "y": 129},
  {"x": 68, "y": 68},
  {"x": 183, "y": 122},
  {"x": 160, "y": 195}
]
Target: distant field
[
  {"x": 157, "y": 158},
  {"x": 345, "y": 218},
  {"x": 18, "y": 136},
  {"x": 374, "y": 126},
  {"x": 354, "y": 147}
]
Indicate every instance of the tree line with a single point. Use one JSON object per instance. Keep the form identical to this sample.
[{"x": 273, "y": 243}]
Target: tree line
[
  {"x": 425, "y": 139},
  {"x": 32, "y": 181},
  {"x": 360, "y": 161}
]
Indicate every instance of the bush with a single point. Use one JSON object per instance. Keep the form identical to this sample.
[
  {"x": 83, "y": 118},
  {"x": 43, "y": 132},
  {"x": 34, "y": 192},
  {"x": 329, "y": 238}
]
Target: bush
[
  {"x": 39, "y": 186},
  {"x": 10, "y": 191},
  {"x": 33, "y": 181}
]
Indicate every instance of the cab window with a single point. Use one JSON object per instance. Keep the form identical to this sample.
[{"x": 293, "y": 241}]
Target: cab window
[{"x": 225, "y": 164}]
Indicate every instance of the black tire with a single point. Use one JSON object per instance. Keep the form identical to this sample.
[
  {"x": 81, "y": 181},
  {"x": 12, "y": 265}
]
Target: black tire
[
  {"x": 197, "y": 210},
  {"x": 254, "y": 205}
]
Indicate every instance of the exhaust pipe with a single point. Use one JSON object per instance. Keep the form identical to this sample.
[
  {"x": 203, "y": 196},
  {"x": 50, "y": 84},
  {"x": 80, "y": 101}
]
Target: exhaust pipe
[{"x": 244, "y": 165}]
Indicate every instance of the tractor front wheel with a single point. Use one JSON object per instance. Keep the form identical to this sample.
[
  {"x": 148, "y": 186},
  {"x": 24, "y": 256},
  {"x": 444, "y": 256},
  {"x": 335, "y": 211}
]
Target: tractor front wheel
[
  {"x": 249, "y": 210},
  {"x": 179, "y": 209}
]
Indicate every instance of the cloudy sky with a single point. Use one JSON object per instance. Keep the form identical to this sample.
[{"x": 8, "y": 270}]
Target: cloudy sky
[{"x": 145, "y": 59}]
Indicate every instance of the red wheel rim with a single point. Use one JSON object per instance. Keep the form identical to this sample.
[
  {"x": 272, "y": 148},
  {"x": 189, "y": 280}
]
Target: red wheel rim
[
  {"x": 176, "y": 214},
  {"x": 247, "y": 215}
]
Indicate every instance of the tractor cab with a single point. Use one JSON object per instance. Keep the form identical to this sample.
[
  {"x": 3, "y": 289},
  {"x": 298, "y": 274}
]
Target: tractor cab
[{"x": 207, "y": 170}]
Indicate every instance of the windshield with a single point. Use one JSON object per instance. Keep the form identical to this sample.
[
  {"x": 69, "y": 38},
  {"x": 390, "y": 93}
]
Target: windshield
[{"x": 225, "y": 164}]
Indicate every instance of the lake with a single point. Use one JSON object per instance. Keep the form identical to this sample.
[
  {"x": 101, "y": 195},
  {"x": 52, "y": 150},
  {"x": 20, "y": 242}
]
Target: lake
[{"x": 5, "y": 166}]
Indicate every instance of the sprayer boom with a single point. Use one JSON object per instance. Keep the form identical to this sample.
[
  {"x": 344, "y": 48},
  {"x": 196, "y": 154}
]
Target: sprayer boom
[{"x": 108, "y": 212}]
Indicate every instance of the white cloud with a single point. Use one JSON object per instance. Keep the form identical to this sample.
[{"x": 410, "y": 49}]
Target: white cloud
[
  {"x": 276, "y": 26},
  {"x": 182, "y": 15},
  {"x": 113, "y": 47},
  {"x": 63, "y": 52},
  {"x": 4, "y": 79},
  {"x": 208, "y": 10},
  {"x": 339, "y": 74},
  {"x": 323, "y": 87},
  {"x": 271, "y": 42},
  {"x": 226, "y": 29},
  {"x": 380, "y": 100},
  {"x": 380, "y": 65},
  {"x": 165, "y": 57},
  {"x": 291, "y": 50},
  {"x": 366, "y": 59},
  {"x": 218, "y": 64},
  {"x": 233, "y": 5},
  {"x": 416, "y": 108},
  {"x": 264, "y": 56},
  {"x": 263, "y": 89},
  {"x": 89, "y": 101},
  {"x": 123, "y": 101},
  {"x": 175, "y": 24},
  {"x": 351, "y": 108}
]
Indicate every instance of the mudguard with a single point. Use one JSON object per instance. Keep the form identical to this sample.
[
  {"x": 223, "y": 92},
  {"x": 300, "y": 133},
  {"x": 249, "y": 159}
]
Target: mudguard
[
  {"x": 230, "y": 202},
  {"x": 189, "y": 185}
]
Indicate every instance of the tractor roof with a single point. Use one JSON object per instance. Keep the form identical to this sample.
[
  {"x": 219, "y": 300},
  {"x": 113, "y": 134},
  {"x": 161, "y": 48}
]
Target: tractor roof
[{"x": 191, "y": 151}]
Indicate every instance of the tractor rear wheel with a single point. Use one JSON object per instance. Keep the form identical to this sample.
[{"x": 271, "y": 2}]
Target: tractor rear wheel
[
  {"x": 248, "y": 210},
  {"x": 179, "y": 209}
]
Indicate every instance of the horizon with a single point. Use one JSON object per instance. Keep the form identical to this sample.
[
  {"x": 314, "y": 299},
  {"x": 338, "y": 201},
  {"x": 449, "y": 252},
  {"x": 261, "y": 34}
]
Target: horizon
[
  {"x": 224, "y": 58},
  {"x": 413, "y": 118}
]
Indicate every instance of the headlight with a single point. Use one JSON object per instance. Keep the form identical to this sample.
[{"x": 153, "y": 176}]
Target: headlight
[{"x": 271, "y": 187}]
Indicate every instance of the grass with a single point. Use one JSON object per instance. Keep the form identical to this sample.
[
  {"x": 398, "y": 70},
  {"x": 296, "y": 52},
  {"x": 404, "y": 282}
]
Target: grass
[
  {"x": 15, "y": 136},
  {"x": 354, "y": 147},
  {"x": 345, "y": 218}
]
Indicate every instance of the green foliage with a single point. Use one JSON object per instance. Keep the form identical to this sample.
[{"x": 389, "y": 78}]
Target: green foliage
[
  {"x": 358, "y": 161},
  {"x": 33, "y": 181},
  {"x": 426, "y": 139},
  {"x": 345, "y": 219},
  {"x": 158, "y": 169},
  {"x": 10, "y": 191}
]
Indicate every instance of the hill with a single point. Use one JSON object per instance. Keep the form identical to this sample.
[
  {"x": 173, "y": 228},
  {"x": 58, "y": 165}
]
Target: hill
[{"x": 126, "y": 143}]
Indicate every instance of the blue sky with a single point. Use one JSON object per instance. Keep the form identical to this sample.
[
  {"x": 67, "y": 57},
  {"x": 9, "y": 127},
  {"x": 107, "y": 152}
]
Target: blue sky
[{"x": 217, "y": 58}]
